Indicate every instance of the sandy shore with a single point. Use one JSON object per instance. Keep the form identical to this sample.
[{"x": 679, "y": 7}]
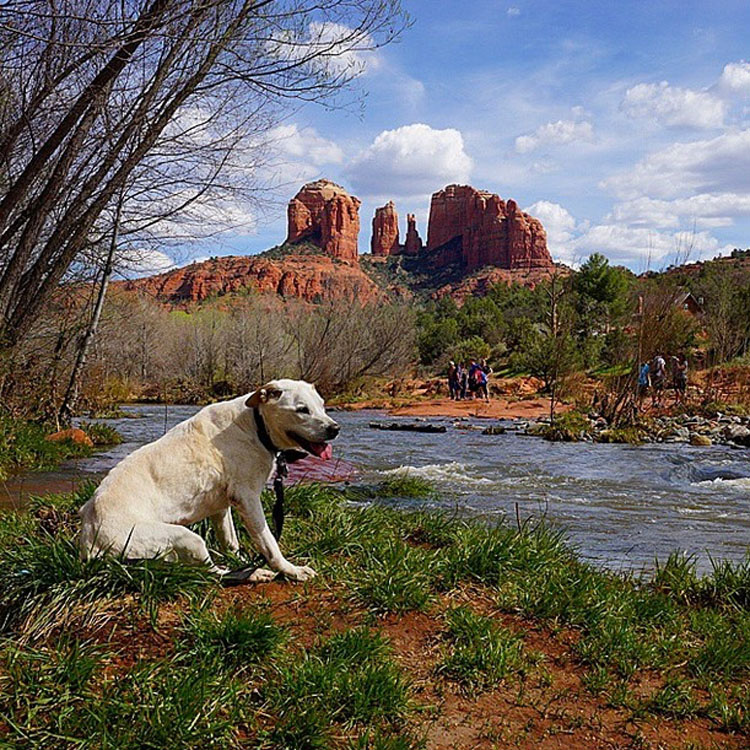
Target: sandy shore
[{"x": 497, "y": 408}]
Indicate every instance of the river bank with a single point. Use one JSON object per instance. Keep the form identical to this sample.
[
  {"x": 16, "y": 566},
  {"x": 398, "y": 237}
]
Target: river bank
[
  {"x": 621, "y": 505},
  {"x": 420, "y": 632}
]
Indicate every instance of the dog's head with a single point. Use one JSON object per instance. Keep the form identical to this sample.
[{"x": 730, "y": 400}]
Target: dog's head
[{"x": 295, "y": 416}]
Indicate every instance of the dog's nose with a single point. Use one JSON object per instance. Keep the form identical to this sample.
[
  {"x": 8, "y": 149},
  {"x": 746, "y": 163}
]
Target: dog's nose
[{"x": 332, "y": 430}]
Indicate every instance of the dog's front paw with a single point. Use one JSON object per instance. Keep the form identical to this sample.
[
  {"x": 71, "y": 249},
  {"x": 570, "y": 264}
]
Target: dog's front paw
[{"x": 299, "y": 573}]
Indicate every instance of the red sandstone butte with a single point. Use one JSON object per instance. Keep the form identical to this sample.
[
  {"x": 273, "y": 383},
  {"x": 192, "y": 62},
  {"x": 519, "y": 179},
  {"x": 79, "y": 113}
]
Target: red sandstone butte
[
  {"x": 323, "y": 213},
  {"x": 385, "y": 231},
  {"x": 413, "y": 240},
  {"x": 478, "y": 228},
  {"x": 312, "y": 278}
]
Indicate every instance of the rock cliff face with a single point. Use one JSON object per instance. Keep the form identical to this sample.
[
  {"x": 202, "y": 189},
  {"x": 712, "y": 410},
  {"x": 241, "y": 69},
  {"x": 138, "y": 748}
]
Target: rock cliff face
[
  {"x": 478, "y": 228},
  {"x": 385, "y": 231},
  {"x": 312, "y": 278},
  {"x": 323, "y": 213},
  {"x": 413, "y": 241}
]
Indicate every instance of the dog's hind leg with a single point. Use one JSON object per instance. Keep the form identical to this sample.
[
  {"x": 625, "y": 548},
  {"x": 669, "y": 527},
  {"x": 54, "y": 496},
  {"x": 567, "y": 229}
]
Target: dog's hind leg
[
  {"x": 168, "y": 541},
  {"x": 225, "y": 531}
]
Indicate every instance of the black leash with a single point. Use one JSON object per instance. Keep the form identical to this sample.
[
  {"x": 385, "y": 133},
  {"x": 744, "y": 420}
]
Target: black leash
[{"x": 282, "y": 459}]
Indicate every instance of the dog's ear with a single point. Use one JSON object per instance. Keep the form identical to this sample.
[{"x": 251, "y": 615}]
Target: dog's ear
[{"x": 262, "y": 396}]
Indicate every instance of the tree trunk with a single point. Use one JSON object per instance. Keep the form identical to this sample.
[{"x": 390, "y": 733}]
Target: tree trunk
[{"x": 71, "y": 394}]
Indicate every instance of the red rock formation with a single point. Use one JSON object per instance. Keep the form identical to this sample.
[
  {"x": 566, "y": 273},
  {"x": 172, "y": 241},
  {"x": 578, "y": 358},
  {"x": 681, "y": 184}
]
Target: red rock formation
[
  {"x": 477, "y": 228},
  {"x": 413, "y": 240},
  {"x": 385, "y": 231},
  {"x": 312, "y": 278},
  {"x": 326, "y": 215}
]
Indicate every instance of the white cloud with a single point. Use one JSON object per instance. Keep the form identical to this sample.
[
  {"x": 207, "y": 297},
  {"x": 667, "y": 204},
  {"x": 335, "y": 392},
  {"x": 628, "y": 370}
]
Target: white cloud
[
  {"x": 673, "y": 106},
  {"x": 720, "y": 164},
  {"x": 704, "y": 210},
  {"x": 513, "y": 12},
  {"x": 142, "y": 262},
  {"x": 299, "y": 155},
  {"x": 735, "y": 78},
  {"x": 642, "y": 248},
  {"x": 639, "y": 247},
  {"x": 344, "y": 49},
  {"x": 553, "y": 133},
  {"x": 306, "y": 144},
  {"x": 560, "y": 226},
  {"x": 412, "y": 160}
]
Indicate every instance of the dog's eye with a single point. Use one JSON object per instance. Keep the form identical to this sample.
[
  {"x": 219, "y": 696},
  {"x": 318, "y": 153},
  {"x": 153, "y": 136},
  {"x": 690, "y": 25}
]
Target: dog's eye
[{"x": 303, "y": 410}]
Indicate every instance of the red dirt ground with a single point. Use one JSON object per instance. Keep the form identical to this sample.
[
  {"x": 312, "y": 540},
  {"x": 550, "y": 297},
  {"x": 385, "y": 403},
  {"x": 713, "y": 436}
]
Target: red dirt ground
[{"x": 547, "y": 709}]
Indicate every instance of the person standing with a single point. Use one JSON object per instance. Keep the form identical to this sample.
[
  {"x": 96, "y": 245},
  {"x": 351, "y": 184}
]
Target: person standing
[
  {"x": 452, "y": 380},
  {"x": 643, "y": 383},
  {"x": 487, "y": 370},
  {"x": 680, "y": 378},
  {"x": 658, "y": 375},
  {"x": 464, "y": 380}
]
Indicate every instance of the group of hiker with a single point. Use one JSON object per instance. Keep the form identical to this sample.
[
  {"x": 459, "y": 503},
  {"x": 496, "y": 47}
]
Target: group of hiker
[
  {"x": 653, "y": 376},
  {"x": 469, "y": 382}
]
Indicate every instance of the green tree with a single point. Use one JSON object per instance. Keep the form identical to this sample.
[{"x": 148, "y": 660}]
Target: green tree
[{"x": 601, "y": 294}]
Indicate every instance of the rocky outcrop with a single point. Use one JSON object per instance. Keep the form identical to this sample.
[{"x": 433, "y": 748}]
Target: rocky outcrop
[
  {"x": 413, "y": 242},
  {"x": 385, "y": 231},
  {"x": 312, "y": 278},
  {"x": 74, "y": 435},
  {"x": 323, "y": 213},
  {"x": 476, "y": 228}
]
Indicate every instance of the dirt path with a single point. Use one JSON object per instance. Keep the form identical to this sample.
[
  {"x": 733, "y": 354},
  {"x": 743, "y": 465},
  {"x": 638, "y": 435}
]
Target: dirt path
[{"x": 496, "y": 408}]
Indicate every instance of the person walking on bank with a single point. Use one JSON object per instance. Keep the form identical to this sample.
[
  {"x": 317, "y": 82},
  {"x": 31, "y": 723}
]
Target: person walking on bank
[
  {"x": 680, "y": 378},
  {"x": 658, "y": 376},
  {"x": 464, "y": 381},
  {"x": 452, "y": 380},
  {"x": 643, "y": 383},
  {"x": 487, "y": 370}
]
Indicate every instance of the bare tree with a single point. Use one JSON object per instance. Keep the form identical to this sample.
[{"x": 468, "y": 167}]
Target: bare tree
[{"x": 97, "y": 95}]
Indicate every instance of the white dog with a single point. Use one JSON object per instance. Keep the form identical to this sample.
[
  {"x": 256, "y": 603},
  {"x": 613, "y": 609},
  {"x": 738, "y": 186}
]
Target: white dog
[{"x": 221, "y": 457}]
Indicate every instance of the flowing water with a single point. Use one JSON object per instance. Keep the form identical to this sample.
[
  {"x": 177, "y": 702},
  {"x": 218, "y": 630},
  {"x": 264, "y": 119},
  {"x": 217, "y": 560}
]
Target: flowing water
[{"x": 622, "y": 506}]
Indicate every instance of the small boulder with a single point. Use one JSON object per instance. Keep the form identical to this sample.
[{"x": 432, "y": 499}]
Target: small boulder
[
  {"x": 698, "y": 439},
  {"x": 75, "y": 435},
  {"x": 681, "y": 434},
  {"x": 737, "y": 433},
  {"x": 494, "y": 430}
]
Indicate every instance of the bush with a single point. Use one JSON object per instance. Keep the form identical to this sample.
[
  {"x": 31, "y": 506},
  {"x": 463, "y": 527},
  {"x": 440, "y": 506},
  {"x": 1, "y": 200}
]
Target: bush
[{"x": 101, "y": 434}]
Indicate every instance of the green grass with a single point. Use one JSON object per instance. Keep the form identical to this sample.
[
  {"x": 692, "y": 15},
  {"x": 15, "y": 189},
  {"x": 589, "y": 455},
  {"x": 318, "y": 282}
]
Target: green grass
[
  {"x": 406, "y": 485},
  {"x": 347, "y": 679},
  {"x": 101, "y": 434},
  {"x": 24, "y": 447},
  {"x": 390, "y": 576},
  {"x": 481, "y": 653},
  {"x": 232, "y": 674},
  {"x": 236, "y": 638},
  {"x": 58, "y": 697},
  {"x": 44, "y": 584}
]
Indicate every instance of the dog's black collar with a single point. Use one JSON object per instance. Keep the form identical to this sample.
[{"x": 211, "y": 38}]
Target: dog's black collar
[
  {"x": 263, "y": 435},
  {"x": 289, "y": 456}
]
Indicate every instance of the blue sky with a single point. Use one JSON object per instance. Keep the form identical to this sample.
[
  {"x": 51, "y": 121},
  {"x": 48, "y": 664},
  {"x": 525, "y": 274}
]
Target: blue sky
[{"x": 623, "y": 126}]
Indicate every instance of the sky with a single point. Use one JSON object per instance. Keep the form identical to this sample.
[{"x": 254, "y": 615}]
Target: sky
[{"x": 623, "y": 126}]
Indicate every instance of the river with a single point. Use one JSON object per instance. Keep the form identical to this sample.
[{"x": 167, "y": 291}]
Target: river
[{"x": 621, "y": 506}]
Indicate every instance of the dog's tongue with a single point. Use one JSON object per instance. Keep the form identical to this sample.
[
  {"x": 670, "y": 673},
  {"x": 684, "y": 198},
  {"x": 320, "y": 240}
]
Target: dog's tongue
[{"x": 322, "y": 450}]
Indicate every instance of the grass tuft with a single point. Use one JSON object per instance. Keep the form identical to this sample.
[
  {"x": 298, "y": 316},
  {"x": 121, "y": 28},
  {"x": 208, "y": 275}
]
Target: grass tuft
[
  {"x": 349, "y": 678},
  {"x": 482, "y": 653},
  {"x": 235, "y": 637},
  {"x": 391, "y": 576}
]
